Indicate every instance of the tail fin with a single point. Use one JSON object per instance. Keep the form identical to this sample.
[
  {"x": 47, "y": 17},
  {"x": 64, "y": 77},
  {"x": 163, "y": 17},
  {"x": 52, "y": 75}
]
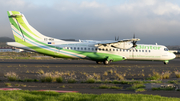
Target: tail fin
[{"x": 23, "y": 31}]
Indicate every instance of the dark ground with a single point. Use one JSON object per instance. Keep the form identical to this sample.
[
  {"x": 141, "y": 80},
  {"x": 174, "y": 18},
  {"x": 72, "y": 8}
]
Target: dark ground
[{"x": 137, "y": 70}]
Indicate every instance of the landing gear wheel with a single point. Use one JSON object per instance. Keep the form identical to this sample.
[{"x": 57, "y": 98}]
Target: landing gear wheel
[
  {"x": 106, "y": 62},
  {"x": 165, "y": 63},
  {"x": 98, "y": 62}
]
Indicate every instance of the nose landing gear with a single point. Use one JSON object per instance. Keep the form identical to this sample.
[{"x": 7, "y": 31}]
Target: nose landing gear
[{"x": 166, "y": 62}]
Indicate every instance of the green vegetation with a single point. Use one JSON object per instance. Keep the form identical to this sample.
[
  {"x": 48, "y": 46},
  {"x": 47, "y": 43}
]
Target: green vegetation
[
  {"x": 12, "y": 76},
  {"x": 136, "y": 86},
  {"x": 155, "y": 76},
  {"x": 90, "y": 80},
  {"x": 71, "y": 80},
  {"x": 8, "y": 84},
  {"x": 47, "y": 77},
  {"x": 59, "y": 79},
  {"x": 140, "y": 90},
  {"x": 177, "y": 74},
  {"x": 54, "y": 96}
]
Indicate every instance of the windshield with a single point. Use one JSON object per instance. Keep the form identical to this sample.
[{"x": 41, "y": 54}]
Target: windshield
[{"x": 166, "y": 49}]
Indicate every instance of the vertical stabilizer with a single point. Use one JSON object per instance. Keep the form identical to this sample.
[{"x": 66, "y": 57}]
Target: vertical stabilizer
[{"x": 23, "y": 31}]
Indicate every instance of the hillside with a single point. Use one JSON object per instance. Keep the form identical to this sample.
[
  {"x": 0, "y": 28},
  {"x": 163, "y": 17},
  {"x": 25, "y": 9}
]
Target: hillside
[{"x": 3, "y": 41}]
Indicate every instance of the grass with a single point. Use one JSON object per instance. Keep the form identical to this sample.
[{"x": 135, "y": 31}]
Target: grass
[
  {"x": 54, "y": 96},
  {"x": 109, "y": 87},
  {"x": 136, "y": 86},
  {"x": 12, "y": 76},
  {"x": 140, "y": 90}
]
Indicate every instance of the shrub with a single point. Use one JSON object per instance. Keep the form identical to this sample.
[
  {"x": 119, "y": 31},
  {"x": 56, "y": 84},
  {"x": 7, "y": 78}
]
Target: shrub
[
  {"x": 8, "y": 84},
  {"x": 107, "y": 81},
  {"x": 140, "y": 90},
  {"x": 115, "y": 87},
  {"x": 71, "y": 80},
  {"x": 155, "y": 76},
  {"x": 136, "y": 86},
  {"x": 104, "y": 87},
  {"x": 165, "y": 75},
  {"x": 105, "y": 73},
  {"x": 90, "y": 80},
  {"x": 17, "y": 85},
  {"x": 177, "y": 74},
  {"x": 28, "y": 80},
  {"x": 40, "y": 71},
  {"x": 115, "y": 82},
  {"x": 98, "y": 81},
  {"x": 12, "y": 76},
  {"x": 47, "y": 77},
  {"x": 59, "y": 79}
]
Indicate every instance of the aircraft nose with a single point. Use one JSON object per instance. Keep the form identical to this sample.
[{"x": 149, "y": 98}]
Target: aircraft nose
[{"x": 173, "y": 56}]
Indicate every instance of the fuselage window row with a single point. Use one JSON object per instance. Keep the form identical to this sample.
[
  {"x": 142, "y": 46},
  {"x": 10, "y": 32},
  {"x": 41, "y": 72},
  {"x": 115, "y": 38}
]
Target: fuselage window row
[{"x": 105, "y": 49}]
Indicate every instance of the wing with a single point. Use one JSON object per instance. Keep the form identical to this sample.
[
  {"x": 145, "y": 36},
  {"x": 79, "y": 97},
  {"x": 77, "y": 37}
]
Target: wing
[
  {"x": 118, "y": 42},
  {"x": 114, "y": 44}
]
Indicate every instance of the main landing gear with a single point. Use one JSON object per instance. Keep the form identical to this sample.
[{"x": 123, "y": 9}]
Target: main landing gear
[{"x": 106, "y": 62}]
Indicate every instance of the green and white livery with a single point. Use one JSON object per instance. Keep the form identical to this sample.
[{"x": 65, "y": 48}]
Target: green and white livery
[{"x": 28, "y": 38}]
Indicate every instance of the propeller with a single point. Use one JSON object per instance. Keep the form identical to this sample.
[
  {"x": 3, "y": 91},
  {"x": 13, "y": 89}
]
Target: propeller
[
  {"x": 134, "y": 42},
  {"x": 116, "y": 38}
]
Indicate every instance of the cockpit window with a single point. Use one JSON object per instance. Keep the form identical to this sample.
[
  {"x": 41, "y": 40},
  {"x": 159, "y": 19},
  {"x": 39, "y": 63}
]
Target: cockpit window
[{"x": 166, "y": 49}]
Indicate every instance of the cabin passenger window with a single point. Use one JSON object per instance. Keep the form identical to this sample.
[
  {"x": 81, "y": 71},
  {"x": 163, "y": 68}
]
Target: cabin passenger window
[
  {"x": 78, "y": 48},
  {"x": 109, "y": 49},
  {"x": 127, "y": 50},
  {"x": 71, "y": 48},
  {"x": 74, "y": 48},
  {"x": 113, "y": 49},
  {"x": 146, "y": 50},
  {"x": 99, "y": 48},
  {"x": 123, "y": 50},
  {"x": 96, "y": 49},
  {"x": 106, "y": 49},
  {"x": 149, "y": 50},
  {"x": 103, "y": 49},
  {"x": 88, "y": 48},
  {"x": 119, "y": 49},
  {"x": 133, "y": 50},
  {"x": 116, "y": 49},
  {"x": 136, "y": 50},
  {"x": 84, "y": 48},
  {"x": 139, "y": 50},
  {"x": 142, "y": 50},
  {"x": 81, "y": 48},
  {"x": 92, "y": 49}
]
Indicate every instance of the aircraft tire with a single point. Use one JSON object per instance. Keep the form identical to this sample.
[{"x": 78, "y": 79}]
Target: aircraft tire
[
  {"x": 106, "y": 62},
  {"x": 98, "y": 62},
  {"x": 165, "y": 63}
]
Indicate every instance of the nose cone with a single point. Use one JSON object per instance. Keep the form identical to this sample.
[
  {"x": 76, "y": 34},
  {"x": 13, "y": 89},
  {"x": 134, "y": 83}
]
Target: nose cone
[{"x": 173, "y": 56}]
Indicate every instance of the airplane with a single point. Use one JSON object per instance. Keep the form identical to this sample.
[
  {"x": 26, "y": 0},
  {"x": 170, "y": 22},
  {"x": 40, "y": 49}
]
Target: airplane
[{"x": 107, "y": 51}]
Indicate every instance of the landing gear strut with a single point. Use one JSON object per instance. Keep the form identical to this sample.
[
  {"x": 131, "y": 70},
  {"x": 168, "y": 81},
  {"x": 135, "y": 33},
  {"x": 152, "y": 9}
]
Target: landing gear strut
[
  {"x": 98, "y": 62},
  {"x": 166, "y": 62}
]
